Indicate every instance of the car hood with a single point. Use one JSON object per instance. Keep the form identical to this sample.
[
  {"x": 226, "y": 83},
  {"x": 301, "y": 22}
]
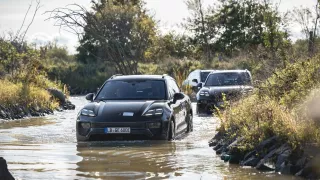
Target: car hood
[{"x": 122, "y": 110}]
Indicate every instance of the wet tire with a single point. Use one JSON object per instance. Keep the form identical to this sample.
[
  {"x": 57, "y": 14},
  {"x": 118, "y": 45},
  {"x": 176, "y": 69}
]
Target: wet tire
[
  {"x": 200, "y": 110},
  {"x": 81, "y": 138},
  {"x": 190, "y": 122},
  {"x": 172, "y": 131}
]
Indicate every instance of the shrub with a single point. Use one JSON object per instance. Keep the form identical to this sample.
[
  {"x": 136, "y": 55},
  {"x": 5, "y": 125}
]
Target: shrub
[
  {"x": 292, "y": 84},
  {"x": 277, "y": 108},
  {"x": 25, "y": 95},
  {"x": 23, "y": 77}
]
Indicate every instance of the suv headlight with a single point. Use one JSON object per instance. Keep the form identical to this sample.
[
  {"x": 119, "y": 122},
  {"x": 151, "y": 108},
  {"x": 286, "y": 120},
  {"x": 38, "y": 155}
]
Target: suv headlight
[
  {"x": 87, "y": 112},
  {"x": 204, "y": 93},
  {"x": 154, "y": 112}
]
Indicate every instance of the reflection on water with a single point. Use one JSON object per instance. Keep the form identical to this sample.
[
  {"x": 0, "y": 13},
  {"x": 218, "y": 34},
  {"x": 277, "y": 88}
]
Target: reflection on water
[
  {"x": 137, "y": 160},
  {"x": 25, "y": 123},
  {"x": 45, "y": 148}
]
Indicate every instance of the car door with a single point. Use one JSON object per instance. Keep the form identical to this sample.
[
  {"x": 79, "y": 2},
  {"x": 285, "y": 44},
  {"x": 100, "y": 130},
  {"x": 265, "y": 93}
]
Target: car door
[
  {"x": 174, "y": 106},
  {"x": 247, "y": 83},
  {"x": 182, "y": 106}
]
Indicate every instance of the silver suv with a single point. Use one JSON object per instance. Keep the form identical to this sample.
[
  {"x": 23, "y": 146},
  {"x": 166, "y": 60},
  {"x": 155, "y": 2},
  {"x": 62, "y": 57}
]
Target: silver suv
[{"x": 196, "y": 77}]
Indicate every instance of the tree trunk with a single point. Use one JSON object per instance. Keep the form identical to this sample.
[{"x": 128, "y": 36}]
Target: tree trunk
[
  {"x": 311, "y": 44},
  {"x": 205, "y": 39}
]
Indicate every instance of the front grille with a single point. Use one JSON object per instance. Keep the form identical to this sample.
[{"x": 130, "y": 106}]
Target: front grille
[
  {"x": 125, "y": 124},
  {"x": 218, "y": 97}
]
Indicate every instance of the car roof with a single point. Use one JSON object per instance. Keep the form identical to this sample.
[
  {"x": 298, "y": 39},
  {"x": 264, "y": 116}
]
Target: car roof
[
  {"x": 230, "y": 71},
  {"x": 207, "y": 70},
  {"x": 132, "y": 77}
]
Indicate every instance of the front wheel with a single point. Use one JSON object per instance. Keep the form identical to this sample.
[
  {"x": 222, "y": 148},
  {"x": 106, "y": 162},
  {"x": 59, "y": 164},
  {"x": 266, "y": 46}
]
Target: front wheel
[
  {"x": 200, "y": 109},
  {"x": 81, "y": 138}
]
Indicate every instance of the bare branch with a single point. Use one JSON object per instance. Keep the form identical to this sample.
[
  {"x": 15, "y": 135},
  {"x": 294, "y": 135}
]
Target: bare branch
[
  {"x": 38, "y": 6},
  {"x": 71, "y": 18},
  {"x": 24, "y": 19}
]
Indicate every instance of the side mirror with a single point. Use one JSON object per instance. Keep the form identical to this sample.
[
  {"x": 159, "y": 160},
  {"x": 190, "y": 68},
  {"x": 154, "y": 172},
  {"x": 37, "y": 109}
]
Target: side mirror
[
  {"x": 199, "y": 85},
  {"x": 177, "y": 96},
  {"x": 195, "y": 81},
  {"x": 90, "y": 96}
]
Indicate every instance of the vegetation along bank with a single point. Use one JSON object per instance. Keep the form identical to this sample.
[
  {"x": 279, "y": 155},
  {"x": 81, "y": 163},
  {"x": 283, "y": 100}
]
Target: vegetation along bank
[
  {"x": 25, "y": 88},
  {"x": 275, "y": 125}
]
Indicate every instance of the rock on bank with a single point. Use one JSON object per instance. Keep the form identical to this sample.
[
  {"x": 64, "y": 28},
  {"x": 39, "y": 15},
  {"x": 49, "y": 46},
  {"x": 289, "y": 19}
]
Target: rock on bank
[
  {"x": 270, "y": 155},
  {"x": 17, "y": 111},
  {"x": 4, "y": 172}
]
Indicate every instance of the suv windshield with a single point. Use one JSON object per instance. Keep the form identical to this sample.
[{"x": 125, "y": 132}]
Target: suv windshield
[
  {"x": 133, "y": 89},
  {"x": 203, "y": 76},
  {"x": 228, "y": 79}
]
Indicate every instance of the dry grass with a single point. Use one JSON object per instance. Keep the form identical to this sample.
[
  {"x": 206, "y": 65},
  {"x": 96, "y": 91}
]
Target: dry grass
[
  {"x": 25, "y": 95},
  {"x": 180, "y": 76},
  {"x": 257, "y": 119},
  {"x": 279, "y": 107},
  {"x": 9, "y": 92}
]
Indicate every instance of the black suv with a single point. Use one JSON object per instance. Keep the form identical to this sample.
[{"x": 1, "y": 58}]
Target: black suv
[
  {"x": 148, "y": 106},
  {"x": 232, "y": 83}
]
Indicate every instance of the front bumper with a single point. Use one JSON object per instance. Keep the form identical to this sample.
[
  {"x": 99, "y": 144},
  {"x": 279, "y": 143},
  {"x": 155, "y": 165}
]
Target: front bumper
[
  {"x": 209, "y": 104},
  {"x": 137, "y": 130}
]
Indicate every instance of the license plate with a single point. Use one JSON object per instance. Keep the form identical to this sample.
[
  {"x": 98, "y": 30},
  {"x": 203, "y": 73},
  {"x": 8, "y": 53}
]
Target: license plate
[{"x": 117, "y": 130}]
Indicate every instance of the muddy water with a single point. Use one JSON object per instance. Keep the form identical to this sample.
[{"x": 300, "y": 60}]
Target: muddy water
[{"x": 46, "y": 148}]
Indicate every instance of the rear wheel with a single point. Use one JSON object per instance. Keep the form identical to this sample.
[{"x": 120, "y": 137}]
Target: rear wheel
[
  {"x": 190, "y": 122},
  {"x": 172, "y": 131}
]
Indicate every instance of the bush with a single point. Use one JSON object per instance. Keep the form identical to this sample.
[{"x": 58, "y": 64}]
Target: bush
[
  {"x": 292, "y": 84},
  {"x": 277, "y": 108},
  {"x": 23, "y": 78},
  {"x": 25, "y": 95}
]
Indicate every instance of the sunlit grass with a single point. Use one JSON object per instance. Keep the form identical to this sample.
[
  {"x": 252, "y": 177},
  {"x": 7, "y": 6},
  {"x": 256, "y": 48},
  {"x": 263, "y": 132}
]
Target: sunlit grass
[
  {"x": 25, "y": 95},
  {"x": 277, "y": 108}
]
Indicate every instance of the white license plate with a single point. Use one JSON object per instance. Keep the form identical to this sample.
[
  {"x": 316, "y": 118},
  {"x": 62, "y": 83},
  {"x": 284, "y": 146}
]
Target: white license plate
[{"x": 117, "y": 130}]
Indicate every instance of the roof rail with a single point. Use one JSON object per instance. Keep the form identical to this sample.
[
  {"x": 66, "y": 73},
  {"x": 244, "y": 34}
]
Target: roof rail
[
  {"x": 115, "y": 76},
  {"x": 164, "y": 75}
]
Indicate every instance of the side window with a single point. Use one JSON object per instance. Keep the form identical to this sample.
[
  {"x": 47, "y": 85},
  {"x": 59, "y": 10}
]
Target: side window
[
  {"x": 170, "y": 90},
  {"x": 174, "y": 86},
  {"x": 247, "y": 79}
]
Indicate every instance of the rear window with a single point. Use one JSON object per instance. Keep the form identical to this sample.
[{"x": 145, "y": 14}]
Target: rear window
[{"x": 228, "y": 79}]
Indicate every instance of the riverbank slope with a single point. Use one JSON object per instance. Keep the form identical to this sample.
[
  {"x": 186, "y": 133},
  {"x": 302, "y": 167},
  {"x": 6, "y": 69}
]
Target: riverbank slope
[{"x": 277, "y": 127}]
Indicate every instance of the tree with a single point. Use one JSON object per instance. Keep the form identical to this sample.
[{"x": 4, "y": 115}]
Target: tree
[
  {"x": 308, "y": 20},
  {"x": 115, "y": 31},
  {"x": 240, "y": 24},
  {"x": 197, "y": 23},
  {"x": 170, "y": 45}
]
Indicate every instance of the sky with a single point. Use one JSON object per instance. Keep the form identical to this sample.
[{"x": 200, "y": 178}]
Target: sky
[{"x": 169, "y": 13}]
